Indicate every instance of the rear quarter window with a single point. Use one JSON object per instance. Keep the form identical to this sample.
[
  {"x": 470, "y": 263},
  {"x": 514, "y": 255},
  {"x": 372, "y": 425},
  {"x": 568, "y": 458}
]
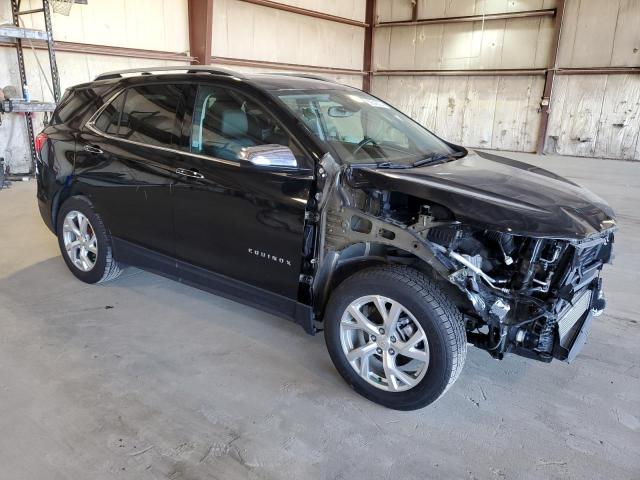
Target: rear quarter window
[{"x": 77, "y": 106}]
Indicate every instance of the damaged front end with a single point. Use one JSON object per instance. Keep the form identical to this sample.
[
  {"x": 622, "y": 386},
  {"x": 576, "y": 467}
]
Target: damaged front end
[{"x": 529, "y": 295}]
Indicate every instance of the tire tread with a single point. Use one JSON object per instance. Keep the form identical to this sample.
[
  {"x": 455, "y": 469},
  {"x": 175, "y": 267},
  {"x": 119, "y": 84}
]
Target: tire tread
[{"x": 428, "y": 292}]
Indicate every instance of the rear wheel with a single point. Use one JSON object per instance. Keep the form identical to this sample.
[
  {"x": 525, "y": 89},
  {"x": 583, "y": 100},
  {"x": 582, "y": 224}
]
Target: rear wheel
[
  {"x": 394, "y": 337},
  {"x": 85, "y": 243}
]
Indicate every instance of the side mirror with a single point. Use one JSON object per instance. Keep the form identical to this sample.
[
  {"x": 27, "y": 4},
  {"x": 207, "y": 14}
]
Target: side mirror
[{"x": 269, "y": 156}]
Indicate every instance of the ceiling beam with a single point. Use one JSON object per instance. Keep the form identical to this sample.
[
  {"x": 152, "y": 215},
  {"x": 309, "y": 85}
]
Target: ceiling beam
[{"x": 200, "y": 30}]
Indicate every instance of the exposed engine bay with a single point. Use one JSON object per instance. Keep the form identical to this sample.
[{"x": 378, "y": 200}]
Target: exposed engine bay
[{"x": 531, "y": 296}]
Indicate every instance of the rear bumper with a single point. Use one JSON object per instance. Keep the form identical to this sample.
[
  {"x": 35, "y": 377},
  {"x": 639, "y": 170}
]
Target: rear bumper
[{"x": 46, "y": 214}]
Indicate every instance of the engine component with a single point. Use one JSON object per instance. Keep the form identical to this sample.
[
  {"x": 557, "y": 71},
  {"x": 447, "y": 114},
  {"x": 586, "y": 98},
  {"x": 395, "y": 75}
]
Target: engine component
[{"x": 500, "y": 309}]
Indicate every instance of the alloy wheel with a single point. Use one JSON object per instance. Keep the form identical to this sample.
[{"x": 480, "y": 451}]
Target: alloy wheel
[
  {"x": 384, "y": 343},
  {"x": 80, "y": 240}
]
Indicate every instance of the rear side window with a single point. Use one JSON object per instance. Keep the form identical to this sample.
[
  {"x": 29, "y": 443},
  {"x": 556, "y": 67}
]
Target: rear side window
[
  {"x": 77, "y": 106},
  {"x": 149, "y": 114}
]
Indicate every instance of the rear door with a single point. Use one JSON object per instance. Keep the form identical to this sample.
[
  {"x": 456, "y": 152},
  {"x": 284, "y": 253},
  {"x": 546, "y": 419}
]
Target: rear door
[
  {"x": 127, "y": 159},
  {"x": 234, "y": 218}
]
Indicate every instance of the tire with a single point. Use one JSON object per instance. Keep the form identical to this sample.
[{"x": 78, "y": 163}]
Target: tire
[
  {"x": 441, "y": 356},
  {"x": 104, "y": 267}
]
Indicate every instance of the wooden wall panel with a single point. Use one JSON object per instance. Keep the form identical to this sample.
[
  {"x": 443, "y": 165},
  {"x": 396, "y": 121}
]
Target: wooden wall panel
[
  {"x": 482, "y": 112},
  {"x": 478, "y": 117},
  {"x": 626, "y": 43},
  {"x": 353, "y": 9},
  {"x": 516, "y": 120},
  {"x": 454, "y": 8},
  {"x": 619, "y": 123},
  {"x": 253, "y": 32},
  {"x": 452, "y": 103},
  {"x": 392, "y": 10},
  {"x": 600, "y": 33},
  {"x": 147, "y": 24},
  {"x": 512, "y": 43},
  {"x": 596, "y": 115}
]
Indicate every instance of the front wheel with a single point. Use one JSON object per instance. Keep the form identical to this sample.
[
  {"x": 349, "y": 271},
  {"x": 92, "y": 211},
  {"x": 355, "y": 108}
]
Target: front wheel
[{"x": 395, "y": 337}]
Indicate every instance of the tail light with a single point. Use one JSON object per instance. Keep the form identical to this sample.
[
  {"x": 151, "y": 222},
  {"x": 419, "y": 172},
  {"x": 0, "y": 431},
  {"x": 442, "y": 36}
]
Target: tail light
[{"x": 40, "y": 141}]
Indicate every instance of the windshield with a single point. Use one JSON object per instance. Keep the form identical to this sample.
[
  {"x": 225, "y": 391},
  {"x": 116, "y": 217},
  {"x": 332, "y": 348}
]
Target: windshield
[{"x": 363, "y": 129}]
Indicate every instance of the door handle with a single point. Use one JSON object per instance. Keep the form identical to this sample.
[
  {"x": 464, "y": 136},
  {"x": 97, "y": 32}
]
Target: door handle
[
  {"x": 92, "y": 149},
  {"x": 189, "y": 173}
]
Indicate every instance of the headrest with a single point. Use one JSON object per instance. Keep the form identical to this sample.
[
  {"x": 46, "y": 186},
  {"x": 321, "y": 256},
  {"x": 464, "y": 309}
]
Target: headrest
[{"x": 234, "y": 123}]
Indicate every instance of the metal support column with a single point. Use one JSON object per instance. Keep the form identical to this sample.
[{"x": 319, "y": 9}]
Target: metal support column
[
  {"x": 55, "y": 77},
  {"x": 15, "y": 9},
  {"x": 545, "y": 104},
  {"x": 370, "y": 18},
  {"x": 19, "y": 34}
]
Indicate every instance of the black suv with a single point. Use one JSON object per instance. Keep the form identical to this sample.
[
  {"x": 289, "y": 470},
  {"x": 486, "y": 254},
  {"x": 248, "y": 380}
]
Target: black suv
[{"x": 323, "y": 204}]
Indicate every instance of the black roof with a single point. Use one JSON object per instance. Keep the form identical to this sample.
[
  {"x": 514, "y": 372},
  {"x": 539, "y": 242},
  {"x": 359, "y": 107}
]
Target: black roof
[{"x": 266, "y": 81}]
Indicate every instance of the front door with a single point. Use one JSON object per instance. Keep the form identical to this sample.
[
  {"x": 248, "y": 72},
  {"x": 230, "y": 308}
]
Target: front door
[{"x": 233, "y": 218}]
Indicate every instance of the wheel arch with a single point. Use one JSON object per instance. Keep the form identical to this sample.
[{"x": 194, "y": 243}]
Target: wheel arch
[
  {"x": 338, "y": 266},
  {"x": 60, "y": 197}
]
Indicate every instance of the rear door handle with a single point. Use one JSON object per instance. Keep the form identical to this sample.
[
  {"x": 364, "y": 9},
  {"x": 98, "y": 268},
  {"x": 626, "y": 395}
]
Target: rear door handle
[
  {"x": 92, "y": 149},
  {"x": 189, "y": 173}
]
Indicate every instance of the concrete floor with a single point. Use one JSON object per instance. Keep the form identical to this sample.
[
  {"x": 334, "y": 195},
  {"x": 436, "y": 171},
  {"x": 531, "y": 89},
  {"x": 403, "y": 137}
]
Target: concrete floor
[{"x": 144, "y": 378}]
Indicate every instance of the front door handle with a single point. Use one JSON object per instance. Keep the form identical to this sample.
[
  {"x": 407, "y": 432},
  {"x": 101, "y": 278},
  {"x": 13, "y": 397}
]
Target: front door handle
[
  {"x": 92, "y": 149},
  {"x": 189, "y": 173}
]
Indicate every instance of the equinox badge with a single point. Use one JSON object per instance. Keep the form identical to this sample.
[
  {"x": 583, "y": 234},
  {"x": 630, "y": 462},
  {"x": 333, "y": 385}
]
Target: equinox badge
[{"x": 268, "y": 256}]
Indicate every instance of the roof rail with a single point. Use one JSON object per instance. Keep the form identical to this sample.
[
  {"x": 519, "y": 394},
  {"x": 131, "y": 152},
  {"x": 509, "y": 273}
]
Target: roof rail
[
  {"x": 302, "y": 75},
  {"x": 152, "y": 70}
]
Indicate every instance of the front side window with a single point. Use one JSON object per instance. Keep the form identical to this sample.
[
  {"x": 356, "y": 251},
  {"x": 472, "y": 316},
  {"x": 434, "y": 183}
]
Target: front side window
[
  {"x": 361, "y": 128},
  {"x": 149, "y": 114},
  {"x": 226, "y": 121}
]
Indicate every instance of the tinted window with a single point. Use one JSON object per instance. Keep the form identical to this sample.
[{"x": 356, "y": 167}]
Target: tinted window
[
  {"x": 77, "y": 106},
  {"x": 150, "y": 114},
  {"x": 108, "y": 120},
  {"x": 225, "y": 121}
]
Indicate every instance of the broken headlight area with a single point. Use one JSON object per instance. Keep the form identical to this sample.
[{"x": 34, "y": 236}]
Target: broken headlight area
[{"x": 529, "y": 296}]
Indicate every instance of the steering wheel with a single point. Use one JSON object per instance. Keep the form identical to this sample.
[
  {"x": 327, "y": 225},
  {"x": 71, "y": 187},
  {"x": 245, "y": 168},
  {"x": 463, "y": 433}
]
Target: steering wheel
[{"x": 363, "y": 142}]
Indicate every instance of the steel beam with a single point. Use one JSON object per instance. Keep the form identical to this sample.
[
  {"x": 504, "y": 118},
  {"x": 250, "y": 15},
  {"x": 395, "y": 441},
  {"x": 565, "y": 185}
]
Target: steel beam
[
  {"x": 15, "y": 9},
  {"x": 367, "y": 62},
  {"x": 306, "y": 12},
  {"x": 51, "y": 49},
  {"x": 457, "y": 73},
  {"x": 548, "y": 84},
  {"x": 92, "y": 49},
  {"x": 285, "y": 66},
  {"x": 200, "y": 30},
  {"x": 599, "y": 71},
  {"x": 547, "y": 12}
]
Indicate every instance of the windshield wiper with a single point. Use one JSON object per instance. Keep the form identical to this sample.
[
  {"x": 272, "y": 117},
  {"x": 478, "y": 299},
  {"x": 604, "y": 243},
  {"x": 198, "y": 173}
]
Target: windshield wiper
[
  {"x": 440, "y": 158},
  {"x": 380, "y": 165}
]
